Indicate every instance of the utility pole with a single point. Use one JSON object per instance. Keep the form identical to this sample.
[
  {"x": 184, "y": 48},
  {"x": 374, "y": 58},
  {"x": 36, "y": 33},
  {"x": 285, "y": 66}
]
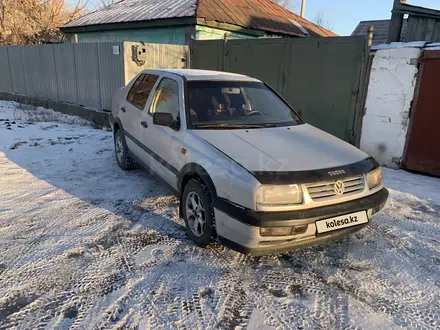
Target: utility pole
[{"x": 303, "y": 8}]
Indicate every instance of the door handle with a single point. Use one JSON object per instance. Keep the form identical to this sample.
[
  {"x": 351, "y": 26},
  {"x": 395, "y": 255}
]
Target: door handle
[
  {"x": 123, "y": 109},
  {"x": 144, "y": 123}
]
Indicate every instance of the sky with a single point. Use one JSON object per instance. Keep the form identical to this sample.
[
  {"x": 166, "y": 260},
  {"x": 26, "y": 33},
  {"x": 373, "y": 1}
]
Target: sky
[{"x": 344, "y": 15}]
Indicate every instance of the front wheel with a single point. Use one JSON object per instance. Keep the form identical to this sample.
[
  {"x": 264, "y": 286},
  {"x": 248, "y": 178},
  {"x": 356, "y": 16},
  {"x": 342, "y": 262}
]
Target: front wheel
[{"x": 198, "y": 212}]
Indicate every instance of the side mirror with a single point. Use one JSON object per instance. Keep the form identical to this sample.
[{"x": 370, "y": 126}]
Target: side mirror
[
  {"x": 165, "y": 119},
  {"x": 162, "y": 118}
]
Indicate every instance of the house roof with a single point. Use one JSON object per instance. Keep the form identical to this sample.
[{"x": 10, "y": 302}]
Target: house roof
[
  {"x": 137, "y": 10},
  {"x": 250, "y": 14},
  {"x": 259, "y": 15},
  {"x": 380, "y": 33}
]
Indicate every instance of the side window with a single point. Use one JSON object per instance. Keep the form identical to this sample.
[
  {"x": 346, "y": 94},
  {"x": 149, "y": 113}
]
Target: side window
[
  {"x": 141, "y": 90},
  {"x": 166, "y": 98},
  {"x": 132, "y": 92}
]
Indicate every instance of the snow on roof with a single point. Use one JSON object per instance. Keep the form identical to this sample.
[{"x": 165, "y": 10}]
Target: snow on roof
[
  {"x": 413, "y": 44},
  {"x": 393, "y": 45},
  {"x": 433, "y": 46}
]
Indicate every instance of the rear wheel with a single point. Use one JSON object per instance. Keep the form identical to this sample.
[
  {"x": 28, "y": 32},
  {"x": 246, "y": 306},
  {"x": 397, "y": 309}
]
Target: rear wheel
[
  {"x": 198, "y": 212},
  {"x": 121, "y": 150}
]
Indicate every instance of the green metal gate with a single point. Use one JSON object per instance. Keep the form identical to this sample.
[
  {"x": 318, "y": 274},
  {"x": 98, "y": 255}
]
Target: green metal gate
[{"x": 323, "y": 78}]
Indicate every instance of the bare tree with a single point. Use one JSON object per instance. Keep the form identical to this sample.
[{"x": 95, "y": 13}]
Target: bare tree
[
  {"x": 282, "y": 3},
  {"x": 36, "y": 21},
  {"x": 2, "y": 18},
  {"x": 321, "y": 21},
  {"x": 105, "y": 3}
]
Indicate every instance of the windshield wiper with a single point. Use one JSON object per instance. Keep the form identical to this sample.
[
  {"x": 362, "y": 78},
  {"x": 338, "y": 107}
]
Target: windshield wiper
[
  {"x": 266, "y": 125},
  {"x": 238, "y": 126},
  {"x": 227, "y": 126}
]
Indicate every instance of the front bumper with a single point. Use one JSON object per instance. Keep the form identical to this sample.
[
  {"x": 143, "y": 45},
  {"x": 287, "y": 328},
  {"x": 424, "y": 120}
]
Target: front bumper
[{"x": 239, "y": 228}]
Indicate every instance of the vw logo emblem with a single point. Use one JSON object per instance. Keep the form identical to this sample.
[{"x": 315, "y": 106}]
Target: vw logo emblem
[{"x": 339, "y": 187}]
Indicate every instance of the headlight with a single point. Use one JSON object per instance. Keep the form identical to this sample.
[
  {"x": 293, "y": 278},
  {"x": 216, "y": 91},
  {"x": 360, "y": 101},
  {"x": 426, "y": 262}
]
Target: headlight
[
  {"x": 279, "y": 195},
  {"x": 374, "y": 178}
]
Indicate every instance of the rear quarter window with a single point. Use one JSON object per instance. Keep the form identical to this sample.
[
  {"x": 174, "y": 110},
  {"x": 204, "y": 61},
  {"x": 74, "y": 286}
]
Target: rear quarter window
[{"x": 141, "y": 89}]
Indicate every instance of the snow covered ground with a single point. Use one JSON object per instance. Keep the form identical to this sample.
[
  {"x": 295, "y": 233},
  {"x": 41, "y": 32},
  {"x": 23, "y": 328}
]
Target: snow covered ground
[{"x": 84, "y": 245}]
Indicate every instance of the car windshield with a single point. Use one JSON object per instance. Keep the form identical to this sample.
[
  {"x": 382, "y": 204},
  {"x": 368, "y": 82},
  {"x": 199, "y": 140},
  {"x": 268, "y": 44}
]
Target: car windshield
[{"x": 232, "y": 104}]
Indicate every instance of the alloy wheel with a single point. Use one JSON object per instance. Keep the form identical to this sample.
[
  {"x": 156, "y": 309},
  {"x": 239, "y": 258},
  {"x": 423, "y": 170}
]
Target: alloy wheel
[
  {"x": 195, "y": 213},
  {"x": 119, "y": 149}
]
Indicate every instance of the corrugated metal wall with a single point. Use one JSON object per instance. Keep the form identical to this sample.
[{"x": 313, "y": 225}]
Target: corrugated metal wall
[
  {"x": 5, "y": 73},
  {"x": 322, "y": 78},
  {"x": 423, "y": 28},
  {"x": 66, "y": 73},
  {"x": 47, "y": 60},
  {"x": 31, "y": 68},
  {"x": 17, "y": 70},
  {"x": 111, "y": 74},
  {"x": 85, "y": 74},
  {"x": 207, "y": 55}
]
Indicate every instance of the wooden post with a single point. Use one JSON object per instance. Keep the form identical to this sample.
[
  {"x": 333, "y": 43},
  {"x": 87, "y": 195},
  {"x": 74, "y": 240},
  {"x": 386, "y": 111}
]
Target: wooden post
[
  {"x": 370, "y": 35},
  {"x": 225, "y": 52},
  {"x": 190, "y": 52}
]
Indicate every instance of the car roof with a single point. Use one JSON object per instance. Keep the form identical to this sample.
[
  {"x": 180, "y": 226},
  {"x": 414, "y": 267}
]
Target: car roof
[{"x": 193, "y": 74}]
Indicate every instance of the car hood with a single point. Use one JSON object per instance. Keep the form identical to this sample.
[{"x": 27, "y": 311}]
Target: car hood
[{"x": 294, "y": 148}]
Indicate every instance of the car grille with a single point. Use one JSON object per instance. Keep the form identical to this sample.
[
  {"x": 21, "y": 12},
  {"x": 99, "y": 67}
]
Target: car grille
[{"x": 326, "y": 190}]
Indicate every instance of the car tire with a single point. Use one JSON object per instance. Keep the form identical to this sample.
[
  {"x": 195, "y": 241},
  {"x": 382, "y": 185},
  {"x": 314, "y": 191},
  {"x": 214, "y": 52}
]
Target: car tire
[
  {"x": 198, "y": 212},
  {"x": 122, "y": 153}
]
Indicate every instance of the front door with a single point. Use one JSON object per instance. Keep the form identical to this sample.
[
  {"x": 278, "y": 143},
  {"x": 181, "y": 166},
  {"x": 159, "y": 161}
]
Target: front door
[{"x": 165, "y": 142}]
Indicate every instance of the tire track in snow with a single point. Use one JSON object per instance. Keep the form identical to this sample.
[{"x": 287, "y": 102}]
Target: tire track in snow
[
  {"x": 384, "y": 293},
  {"x": 109, "y": 251},
  {"x": 40, "y": 262}
]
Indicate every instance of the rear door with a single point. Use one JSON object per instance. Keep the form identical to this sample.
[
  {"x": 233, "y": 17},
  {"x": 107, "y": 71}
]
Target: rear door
[{"x": 133, "y": 110}]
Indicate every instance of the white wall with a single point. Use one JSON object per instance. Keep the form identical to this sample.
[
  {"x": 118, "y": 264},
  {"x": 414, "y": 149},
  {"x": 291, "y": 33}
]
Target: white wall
[{"x": 391, "y": 90}]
